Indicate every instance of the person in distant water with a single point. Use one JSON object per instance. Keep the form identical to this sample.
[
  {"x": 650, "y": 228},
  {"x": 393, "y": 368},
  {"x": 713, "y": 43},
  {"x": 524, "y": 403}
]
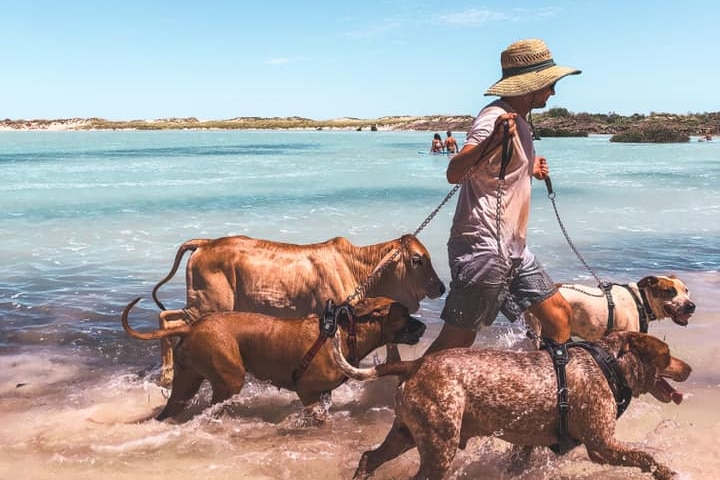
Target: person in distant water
[
  {"x": 491, "y": 268},
  {"x": 451, "y": 145},
  {"x": 437, "y": 145}
]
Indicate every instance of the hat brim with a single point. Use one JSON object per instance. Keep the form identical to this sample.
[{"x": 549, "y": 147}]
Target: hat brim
[{"x": 529, "y": 82}]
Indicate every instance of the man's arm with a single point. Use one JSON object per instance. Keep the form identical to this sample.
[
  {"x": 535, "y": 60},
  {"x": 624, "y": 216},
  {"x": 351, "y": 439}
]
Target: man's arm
[{"x": 471, "y": 154}]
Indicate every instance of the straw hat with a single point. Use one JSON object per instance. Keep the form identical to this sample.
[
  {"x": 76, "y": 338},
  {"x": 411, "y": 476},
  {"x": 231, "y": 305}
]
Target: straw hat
[{"x": 527, "y": 66}]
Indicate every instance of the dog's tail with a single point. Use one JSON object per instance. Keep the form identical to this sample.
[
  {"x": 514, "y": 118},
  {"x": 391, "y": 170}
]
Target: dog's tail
[
  {"x": 190, "y": 245},
  {"x": 402, "y": 369},
  {"x": 166, "y": 332}
]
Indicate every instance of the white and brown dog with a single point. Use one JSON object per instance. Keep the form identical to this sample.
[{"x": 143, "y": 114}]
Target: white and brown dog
[{"x": 632, "y": 306}]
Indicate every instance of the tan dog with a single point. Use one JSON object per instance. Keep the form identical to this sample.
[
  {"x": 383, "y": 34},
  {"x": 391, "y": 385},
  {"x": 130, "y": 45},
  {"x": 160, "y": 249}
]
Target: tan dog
[
  {"x": 222, "y": 347},
  {"x": 635, "y": 306},
  {"x": 453, "y": 395}
]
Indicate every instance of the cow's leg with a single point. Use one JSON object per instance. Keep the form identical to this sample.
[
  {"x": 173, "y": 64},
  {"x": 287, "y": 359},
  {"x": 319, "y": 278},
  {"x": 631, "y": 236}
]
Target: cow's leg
[{"x": 167, "y": 319}]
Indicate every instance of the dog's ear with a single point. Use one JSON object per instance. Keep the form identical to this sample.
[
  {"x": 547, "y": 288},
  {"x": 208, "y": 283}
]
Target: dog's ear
[
  {"x": 649, "y": 348},
  {"x": 648, "y": 282},
  {"x": 373, "y": 306}
]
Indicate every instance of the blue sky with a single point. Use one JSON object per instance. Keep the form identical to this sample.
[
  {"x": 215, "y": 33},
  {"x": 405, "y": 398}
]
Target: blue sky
[{"x": 136, "y": 59}]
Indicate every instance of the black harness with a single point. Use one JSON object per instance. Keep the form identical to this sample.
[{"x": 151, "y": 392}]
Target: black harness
[
  {"x": 609, "y": 366},
  {"x": 328, "y": 326},
  {"x": 645, "y": 313}
]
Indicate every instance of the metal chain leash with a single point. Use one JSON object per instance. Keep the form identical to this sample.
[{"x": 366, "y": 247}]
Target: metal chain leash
[
  {"x": 551, "y": 196},
  {"x": 442, "y": 204},
  {"x": 362, "y": 289},
  {"x": 452, "y": 191}
]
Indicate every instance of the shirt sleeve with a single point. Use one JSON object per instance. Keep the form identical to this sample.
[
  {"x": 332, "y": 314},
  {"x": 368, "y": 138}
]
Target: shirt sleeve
[{"x": 483, "y": 125}]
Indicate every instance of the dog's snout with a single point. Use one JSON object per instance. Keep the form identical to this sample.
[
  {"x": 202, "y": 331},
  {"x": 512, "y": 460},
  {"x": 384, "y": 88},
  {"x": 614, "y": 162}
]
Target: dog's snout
[{"x": 690, "y": 307}]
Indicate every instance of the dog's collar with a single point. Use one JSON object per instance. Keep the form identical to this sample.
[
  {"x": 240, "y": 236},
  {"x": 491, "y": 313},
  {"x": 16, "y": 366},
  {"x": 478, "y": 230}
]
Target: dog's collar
[
  {"x": 648, "y": 310},
  {"x": 645, "y": 313}
]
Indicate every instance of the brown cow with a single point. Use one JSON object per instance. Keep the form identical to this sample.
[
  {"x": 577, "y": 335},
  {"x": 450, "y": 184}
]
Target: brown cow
[{"x": 284, "y": 280}]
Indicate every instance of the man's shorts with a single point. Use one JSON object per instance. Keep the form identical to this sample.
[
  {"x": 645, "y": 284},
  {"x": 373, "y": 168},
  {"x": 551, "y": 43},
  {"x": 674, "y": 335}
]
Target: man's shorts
[{"x": 476, "y": 303}]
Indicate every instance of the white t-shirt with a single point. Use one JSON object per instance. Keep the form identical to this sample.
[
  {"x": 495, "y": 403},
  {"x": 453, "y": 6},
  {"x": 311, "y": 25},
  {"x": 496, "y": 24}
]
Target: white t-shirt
[{"x": 475, "y": 220}]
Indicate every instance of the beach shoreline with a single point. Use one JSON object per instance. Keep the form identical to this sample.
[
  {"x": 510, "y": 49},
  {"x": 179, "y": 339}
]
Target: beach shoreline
[
  {"x": 555, "y": 122},
  {"x": 66, "y": 420}
]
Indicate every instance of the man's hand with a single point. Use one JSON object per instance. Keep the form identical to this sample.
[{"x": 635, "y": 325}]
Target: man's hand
[
  {"x": 512, "y": 126},
  {"x": 540, "y": 168}
]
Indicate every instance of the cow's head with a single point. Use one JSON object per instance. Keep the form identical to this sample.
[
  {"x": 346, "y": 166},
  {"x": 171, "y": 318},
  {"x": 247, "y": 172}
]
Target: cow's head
[{"x": 411, "y": 277}]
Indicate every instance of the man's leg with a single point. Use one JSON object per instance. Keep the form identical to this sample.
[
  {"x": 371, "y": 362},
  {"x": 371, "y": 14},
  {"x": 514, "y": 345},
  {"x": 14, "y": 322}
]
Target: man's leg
[
  {"x": 554, "y": 315},
  {"x": 452, "y": 337}
]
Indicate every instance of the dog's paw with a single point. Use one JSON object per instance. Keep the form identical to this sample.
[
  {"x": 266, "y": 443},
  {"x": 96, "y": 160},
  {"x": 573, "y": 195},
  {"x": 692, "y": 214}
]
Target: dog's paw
[{"x": 662, "y": 472}]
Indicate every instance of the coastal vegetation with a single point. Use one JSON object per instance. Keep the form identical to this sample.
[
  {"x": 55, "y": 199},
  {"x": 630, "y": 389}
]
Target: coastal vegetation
[{"x": 555, "y": 122}]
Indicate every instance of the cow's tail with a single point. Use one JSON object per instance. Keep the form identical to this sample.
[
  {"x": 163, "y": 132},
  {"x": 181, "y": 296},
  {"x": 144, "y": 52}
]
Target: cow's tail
[
  {"x": 162, "y": 333},
  {"x": 190, "y": 245},
  {"x": 402, "y": 369}
]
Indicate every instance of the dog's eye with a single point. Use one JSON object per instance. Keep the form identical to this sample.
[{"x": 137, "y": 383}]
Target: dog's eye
[{"x": 670, "y": 292}]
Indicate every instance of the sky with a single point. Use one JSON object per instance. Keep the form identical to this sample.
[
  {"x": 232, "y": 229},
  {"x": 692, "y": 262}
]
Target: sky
[{"x": 133, "y": 59}]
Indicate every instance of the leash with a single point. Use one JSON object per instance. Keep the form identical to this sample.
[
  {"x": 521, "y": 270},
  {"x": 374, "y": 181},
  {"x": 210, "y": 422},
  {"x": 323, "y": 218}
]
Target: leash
[
  {"x": 457, "y": 186},
  {"x": 362, "y": 289},
  {"x": 328, "y": 328},
  {"x": 551, "y": 196}
]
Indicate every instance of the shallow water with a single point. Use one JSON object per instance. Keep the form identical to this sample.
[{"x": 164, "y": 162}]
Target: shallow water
[
  {"x": 70, "y": 418},
  {"x": 90, "y": 220}
]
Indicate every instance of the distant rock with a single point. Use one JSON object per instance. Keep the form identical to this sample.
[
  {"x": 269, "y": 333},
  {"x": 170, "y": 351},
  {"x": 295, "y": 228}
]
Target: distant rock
[{"x": 651, "y": 134}]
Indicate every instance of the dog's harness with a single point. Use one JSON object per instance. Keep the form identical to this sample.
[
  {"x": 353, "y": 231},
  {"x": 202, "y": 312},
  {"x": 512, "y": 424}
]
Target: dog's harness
[
  {"x": 610, "y": 368},
  {"x": 645, "y": 313},
  {"x": 328, "y": 327}
]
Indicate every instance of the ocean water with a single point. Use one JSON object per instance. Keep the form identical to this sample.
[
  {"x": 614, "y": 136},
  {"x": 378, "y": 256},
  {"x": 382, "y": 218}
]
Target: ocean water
[{"x": 90, "y": 220}]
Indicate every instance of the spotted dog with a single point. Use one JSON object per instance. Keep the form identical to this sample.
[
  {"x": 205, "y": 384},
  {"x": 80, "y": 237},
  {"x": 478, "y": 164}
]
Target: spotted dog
[{"x": 453, "y": 395}]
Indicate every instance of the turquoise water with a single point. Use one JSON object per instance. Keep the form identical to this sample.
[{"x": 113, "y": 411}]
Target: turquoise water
[{"x": 90, "y": 220}]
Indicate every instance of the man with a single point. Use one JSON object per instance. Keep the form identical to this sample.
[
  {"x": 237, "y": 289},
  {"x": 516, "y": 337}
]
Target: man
[
  {"x": 490, "y": 263},
  {"x": 451, "y": 145}
]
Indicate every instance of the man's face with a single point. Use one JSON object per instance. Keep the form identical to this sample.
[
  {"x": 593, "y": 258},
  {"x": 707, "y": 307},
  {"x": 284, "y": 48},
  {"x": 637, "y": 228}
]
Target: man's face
[{"x": 541, "y": 97}]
